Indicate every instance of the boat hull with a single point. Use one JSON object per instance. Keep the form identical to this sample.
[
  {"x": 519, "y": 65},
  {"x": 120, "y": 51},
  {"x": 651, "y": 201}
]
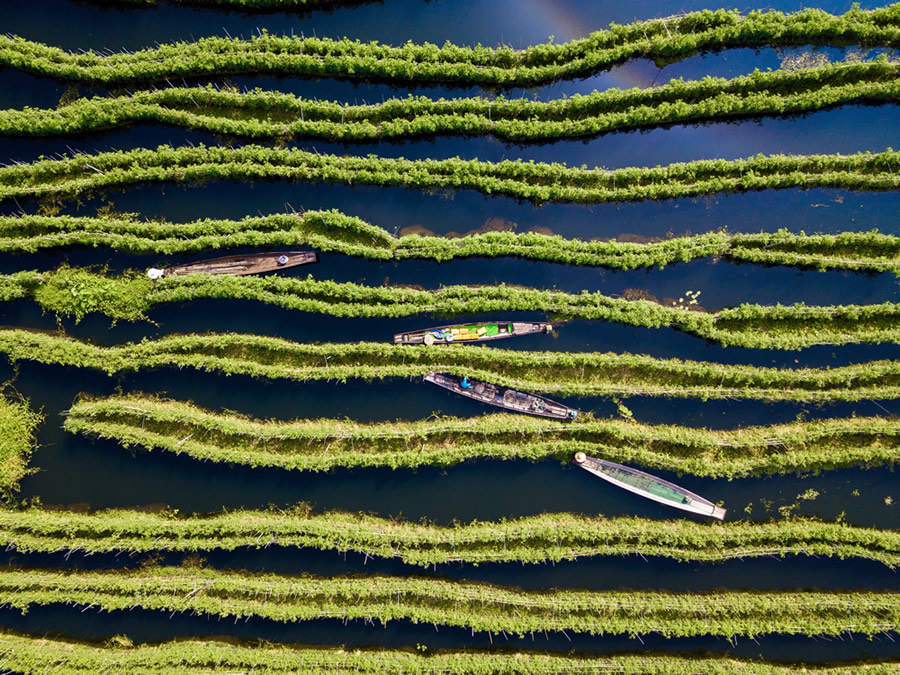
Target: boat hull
[
  {"x": 508, "y": 399},
  {"x": 239, "y": 265},
  {"x": 473, "y": 332},
  {"x": 649, "y": 486}
]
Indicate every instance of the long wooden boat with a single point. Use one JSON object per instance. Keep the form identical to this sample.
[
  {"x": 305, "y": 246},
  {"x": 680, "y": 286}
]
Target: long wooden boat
[
  {"x": 472, "y": 332},
  {"x": 651, "y": 487},
  {"x": 508, "y": 399},
  {"x": 237, "y": 265}
]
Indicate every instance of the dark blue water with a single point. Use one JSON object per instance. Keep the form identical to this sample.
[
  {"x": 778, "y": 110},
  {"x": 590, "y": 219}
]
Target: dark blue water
[{"x": 75, "y": 470}]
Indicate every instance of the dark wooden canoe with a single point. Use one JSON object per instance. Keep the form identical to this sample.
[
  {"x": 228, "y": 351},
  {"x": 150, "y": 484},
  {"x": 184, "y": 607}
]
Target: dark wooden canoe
[
  {"x": 649, "y": 486},
  {"x": 508, "y": 399},
  {"x": 249, "y": 263},
  {"x": 472, "y": 332}
]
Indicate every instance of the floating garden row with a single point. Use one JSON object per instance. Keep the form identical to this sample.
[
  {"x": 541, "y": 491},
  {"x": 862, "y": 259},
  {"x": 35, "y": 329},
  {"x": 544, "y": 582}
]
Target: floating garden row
[
  {"x": 77, "y": 292},
  {"x": 663, "y": 40},
  {"x": 564, "y": 373},
  {"x": 479, "y": 607},
  {"x": 539, "y": 182},
  {"x": 333, "y": 231},
  {"x": 274, "y": 115},
  {"x": 323, "y": 444},
  {"x": 58, "y": 657},
  {"x": 537, "y": 539},
  {"x": 17, "y": 431}
]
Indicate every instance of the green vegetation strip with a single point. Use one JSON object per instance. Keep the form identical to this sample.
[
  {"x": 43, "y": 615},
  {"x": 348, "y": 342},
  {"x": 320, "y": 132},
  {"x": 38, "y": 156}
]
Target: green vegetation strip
[
  {"x": 663, "y": 40},
  {"x": 333, "y": 231},
  {"x": 565, "y": 373},
  {"x": 536, "y": 539},
  {"x": 77, "y": 292},
  {"x": 31, "y": 654},
  {"x": 479, "y": 607},
  {"x": 17, "y": 426},
  {"x": 273, "y": 115},
  {"x": 324, "y": 444},
  {"x": 539, "y": 182}
]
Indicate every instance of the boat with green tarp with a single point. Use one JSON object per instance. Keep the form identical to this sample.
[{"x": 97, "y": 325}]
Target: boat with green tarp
[
  {"x": 649, "y": 486},
  {"x": 472, "y": 332}
]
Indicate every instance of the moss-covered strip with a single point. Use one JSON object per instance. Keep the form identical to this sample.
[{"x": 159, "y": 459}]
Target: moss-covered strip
[
  {"x": 17, "y": 428},
  {"x": 262, "y": 114},
  {"x": 185, "y": 657},
  {"x": 77, "y": 292},
  {"x": 536, "y": 539},
  {"x": 333, "y": 231},
  {"x": 479, "y": 607},
  {"x": 538, "y": 182},
  {"x": 563, "y": 373},
  {"x": 173, "y": 426},
  {"x": 663, "y": 40}
]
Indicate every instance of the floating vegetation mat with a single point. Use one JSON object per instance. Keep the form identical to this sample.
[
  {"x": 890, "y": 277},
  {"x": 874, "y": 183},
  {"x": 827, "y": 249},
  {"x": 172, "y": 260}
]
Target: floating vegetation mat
[
  {"x": 535, "y": 181},
  {"x": 549, "y": 537},
  {"x": 333, "y": 231},
  {"x": 17, "y": 440},
  {"x": 480, "y": 607},
  {"x": 260, "y": 114},
  {"x": 663, "y": 40},
  {"x": 31, "y": 654},
  {"x": 78, "y": 292},
  {"x": 565, "y": 373},
  {"x": 323, "y": 444}
]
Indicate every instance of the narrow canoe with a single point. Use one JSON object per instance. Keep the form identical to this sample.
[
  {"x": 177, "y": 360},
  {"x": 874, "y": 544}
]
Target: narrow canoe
[
  {"x": 508, "y": 399},
  {"x": 249, "y": 263},
  {"x": 472, "y": 332},
  {"x": 649, "y": 486}
]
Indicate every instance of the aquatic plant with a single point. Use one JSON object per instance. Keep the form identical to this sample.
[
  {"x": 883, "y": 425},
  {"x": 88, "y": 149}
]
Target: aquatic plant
[
  {"x": 664, "y": 40},
  {"x": 563, "y": 373},
  {"x": 480, "y": 607},
  {"x": 182, "y": 428},
  {"x": 261, "y": 114},
  {"x": 18, "y": 423},
  {"x": 535, "y": 539},
  {"x": 534, "y": 181},
  {"x": 77, "y": 292},
  {"x": 333, "y": 231},
  {"x": 185, "y": 656}
]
